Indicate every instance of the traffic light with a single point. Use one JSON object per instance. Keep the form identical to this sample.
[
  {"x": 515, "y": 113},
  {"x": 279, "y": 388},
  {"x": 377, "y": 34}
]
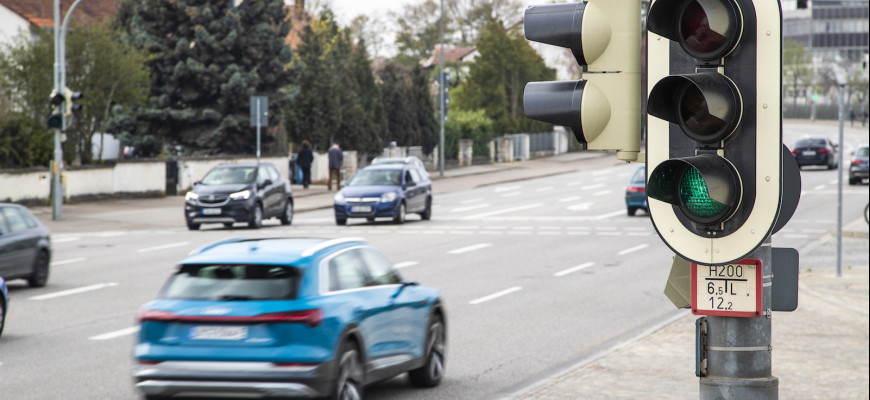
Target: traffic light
[
  {"x": 714, "y": 144},
  {"x": 603, "y": 108},
  {"x": 55, "y": 119},
  {"x": 70, "y": 98}
]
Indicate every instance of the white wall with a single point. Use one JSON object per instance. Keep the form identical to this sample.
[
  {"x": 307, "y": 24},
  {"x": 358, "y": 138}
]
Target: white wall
[
  {"x": 136, "y": 177},
  {"x": 16, "y": 186},
  {"x": 11, "y": 25}
]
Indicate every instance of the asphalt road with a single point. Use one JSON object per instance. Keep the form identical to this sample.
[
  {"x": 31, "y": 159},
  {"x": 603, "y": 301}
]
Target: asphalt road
[{"x": 535, "y": 275}]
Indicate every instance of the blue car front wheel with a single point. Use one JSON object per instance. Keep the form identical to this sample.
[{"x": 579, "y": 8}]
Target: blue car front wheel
[{"x": 431, "y": 373}]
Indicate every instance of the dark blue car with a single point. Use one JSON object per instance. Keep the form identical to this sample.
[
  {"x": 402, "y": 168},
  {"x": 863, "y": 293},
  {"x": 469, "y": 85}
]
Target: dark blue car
[
  {"x": 384, "y": 191},
  {"x": 288, "y": 318},
  {"x": 635, "y": 192},
  {"x": 4, "y": 304}
]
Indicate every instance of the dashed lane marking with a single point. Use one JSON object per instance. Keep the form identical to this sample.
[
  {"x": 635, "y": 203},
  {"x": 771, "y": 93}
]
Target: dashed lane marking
[
  {"x": 820, "y": 187},
  {"x": 469, "y": 201},
  {"x": 507, "y": 188},
  {"x": 469, "y": 208},
  {"x": 512, "y": 194},
  {"x": 470, "y": 248},
  {"x": 591, "y": 187},
  {"x": 567, "y": 199},
  {"x": 70, "y": 292},
  {"x": 602, "y": 193},
  {"x": 64, "y": 240},
  {"x": 633, "y": 249},
  {"x": 544, "y": 189},
  {"x": 68, "y": 261},
  {"x": 116, "y": 334},
  {"x": 404, "y": 264},
  {"x": 574, "y": 269},
  {"x": 163, "y": 247},
  {"x": 504, "y": 211},
  {"x": 495, "y": 295}
]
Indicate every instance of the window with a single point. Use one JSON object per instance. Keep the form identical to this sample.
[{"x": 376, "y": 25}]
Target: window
[
  {"x": 262, "y": 175},
  {"x": 380, "y": 268},
  {"x": 376, "y": 177},
  {"x": 639, "y": 176},
  {"x": 408, "y": 178},
  {"x": 274, "y": 174},
  {"x": 16, "y": 221},
  {"x": 4, "y": 229},
  {"x": 229, "y": 176},
  {"x": 415, "y": 175},
  {"x": 346, "y": 271},
  {"x": 233, "y": 282}
]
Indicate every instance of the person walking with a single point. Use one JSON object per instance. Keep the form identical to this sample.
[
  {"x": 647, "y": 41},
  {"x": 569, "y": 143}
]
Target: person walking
[
  {"x": 336, "y": 157},
  {"x": 864, "y": 120},
  {"x": 852, "y": 116},
  {"x": 303, "y": 161}
]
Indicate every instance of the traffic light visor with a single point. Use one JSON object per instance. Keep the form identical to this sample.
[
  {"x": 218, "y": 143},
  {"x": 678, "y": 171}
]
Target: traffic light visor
[
  {"x": 706, "y": 29},
  {"x": 581, "y": 27},
  {"x": 706, "y": 106},
  {"x": 706, "y": 188},
  {"x": 579, "y": 105}
]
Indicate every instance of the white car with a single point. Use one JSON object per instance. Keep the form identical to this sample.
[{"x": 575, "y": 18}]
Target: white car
[{"x": 410, "y": 160}]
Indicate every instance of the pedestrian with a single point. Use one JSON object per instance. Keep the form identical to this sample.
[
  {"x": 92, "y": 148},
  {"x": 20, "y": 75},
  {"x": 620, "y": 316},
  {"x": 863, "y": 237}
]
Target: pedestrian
[
  {"x": 336, "y": 157},
  {"x": 303, "y": 161},
  {"x": 864, "y": 120},
  {"x": 852, "y": 116}
]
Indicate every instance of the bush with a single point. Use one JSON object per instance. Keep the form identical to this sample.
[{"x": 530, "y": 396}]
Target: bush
[{"x": 474, "y": 125}]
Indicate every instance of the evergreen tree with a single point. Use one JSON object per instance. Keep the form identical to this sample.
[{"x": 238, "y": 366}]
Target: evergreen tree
[
  {"x": 409, "y": 106},
  {"x": 426, "y": 125},
  {"x": 497, "y": 78},
  {"x": 207, "y": 58}
]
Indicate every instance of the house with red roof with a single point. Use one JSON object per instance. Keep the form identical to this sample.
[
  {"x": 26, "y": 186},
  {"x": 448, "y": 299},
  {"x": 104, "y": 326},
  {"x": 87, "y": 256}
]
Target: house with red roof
[{"x": 23, "y": 16}]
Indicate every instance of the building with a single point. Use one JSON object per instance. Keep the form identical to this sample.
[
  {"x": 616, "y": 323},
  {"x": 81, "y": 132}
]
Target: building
[
  {"x": 832, "y": 31},
  {"x": 23, "y": 16}
]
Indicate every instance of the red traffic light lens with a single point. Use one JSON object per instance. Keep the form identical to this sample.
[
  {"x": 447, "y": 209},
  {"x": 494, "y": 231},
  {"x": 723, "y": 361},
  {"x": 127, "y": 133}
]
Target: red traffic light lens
[{"x": 709, "y": 29}]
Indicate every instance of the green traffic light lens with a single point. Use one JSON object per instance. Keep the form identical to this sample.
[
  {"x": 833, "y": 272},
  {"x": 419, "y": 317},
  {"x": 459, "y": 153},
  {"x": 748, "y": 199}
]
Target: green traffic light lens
[{"x": 694, "y": 195}]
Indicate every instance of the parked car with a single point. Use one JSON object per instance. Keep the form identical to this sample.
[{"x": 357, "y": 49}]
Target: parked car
[
  {"x": 4, "y": 304},
  {"x": 293, "y": 318},
  {"x": 858, "y": 171},
  {"x": 815, "y": 151},
  {"x": 635, "y": 192},
  {"x": 410, "y": 160},
  {"x": 388, "y": 190},
  {"x": 25, "y": 247},
  {"x": 243, "y": 192}
]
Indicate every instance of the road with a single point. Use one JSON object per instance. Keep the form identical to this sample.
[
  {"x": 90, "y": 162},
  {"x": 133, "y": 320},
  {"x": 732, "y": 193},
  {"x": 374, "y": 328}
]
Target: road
[{"x": 535, "y": 275}]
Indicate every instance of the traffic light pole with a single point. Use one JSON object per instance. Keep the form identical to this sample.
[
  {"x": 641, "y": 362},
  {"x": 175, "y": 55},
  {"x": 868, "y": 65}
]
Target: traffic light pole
[
  {"x": 57, "y": 164},
  {"x": 840, "y": 167},
  {"x": 441, "y": 99},
  {"x": 739, "y": 349}
]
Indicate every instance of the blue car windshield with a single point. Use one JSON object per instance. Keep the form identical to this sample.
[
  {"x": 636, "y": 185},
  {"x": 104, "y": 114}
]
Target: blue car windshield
[
  {"x": 230, "y": 176},
  {"x": 377, "y": 177},
  {"x": 233, "y": 282}
]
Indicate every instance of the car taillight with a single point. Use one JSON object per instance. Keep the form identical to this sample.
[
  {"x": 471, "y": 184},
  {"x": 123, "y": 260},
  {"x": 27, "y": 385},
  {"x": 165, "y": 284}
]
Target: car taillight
[
  {"x": 823, "y": 150},
  {"x": 148, "y": 362},
  {"x": 311, "y": 317},
  {"x": 796, "y": 152},
  {"x": 636, "y": 189},
  {"x": 857, "y": 162}
]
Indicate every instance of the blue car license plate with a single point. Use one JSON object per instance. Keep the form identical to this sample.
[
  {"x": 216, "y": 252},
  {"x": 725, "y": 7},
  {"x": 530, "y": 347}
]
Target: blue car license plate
[{"x": 361, "y": 209}]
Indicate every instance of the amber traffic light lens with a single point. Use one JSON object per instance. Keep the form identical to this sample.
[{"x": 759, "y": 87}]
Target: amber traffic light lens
[{"x": 695, "y": 114}]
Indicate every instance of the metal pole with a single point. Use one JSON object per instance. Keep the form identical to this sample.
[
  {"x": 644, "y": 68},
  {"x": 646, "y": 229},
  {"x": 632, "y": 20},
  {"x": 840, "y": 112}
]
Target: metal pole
[
  {"x": 258, "y": 130},
  {"x": 840, "y": 149},
  {"x": 57, "y": 164},
  {"x": 738, "y": 349},
  {"x": 441, "y": 98}
]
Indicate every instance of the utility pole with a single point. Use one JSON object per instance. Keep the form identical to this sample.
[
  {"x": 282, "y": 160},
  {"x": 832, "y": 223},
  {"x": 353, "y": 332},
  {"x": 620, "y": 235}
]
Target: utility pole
[
  {"x": 441, "y": 98},
  {"x": 840, "y": 147},
  {"x": 57, "y": 164}
]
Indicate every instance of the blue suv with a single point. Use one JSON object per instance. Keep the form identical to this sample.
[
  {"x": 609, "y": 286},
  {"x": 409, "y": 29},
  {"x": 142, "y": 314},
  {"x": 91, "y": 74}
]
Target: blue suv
[
  {"x": 288, "y": 318},
  {"x": 385, "y": 190}
]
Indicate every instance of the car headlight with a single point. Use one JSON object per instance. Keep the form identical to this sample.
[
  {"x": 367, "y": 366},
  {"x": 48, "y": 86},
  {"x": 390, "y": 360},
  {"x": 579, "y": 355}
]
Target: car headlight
[
  {"x": 191, "y": 196},
  {"x": 339, "y": 198},
  {"x": 388, "y": 197},
  {"x": 243, "y": 195}
]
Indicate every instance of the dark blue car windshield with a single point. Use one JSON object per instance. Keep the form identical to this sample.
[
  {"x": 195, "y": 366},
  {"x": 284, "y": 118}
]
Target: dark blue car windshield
[{"x": 377, "y": 177}]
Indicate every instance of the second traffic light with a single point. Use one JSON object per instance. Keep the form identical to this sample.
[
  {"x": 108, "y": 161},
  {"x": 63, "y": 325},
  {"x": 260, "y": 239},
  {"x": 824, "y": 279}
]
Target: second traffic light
[
  {"x": 70, "y": 98},
  {"x": 714, "y": 142},
  {"x": 603, "y": 108}
]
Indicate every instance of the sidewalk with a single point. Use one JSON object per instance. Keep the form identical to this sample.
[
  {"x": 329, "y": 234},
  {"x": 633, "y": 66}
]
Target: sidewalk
[
  {"x": 166, "y": 212},
  {"x": 820, "y": 351}
]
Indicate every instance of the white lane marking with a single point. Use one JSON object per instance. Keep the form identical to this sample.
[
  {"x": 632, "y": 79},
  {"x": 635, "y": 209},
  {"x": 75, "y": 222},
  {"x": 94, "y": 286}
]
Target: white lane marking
[
  {"x": 69, "y": 261},
  {"x": 833, "y": 182},
  {"x": 504, "y": 211},
  {"x": 469, "y": 208},
  {"x": 567, "y": 199},
  {"x": 495, "y": 295},
  {"x": 469, "y": 201},
  {"x": 549, "y": 233},
  {"x": 634, "y": 228},
  {"x": 608, "y": 215},
  {"x": 574, "y": 184},
  {"x": 580, "y": 207},
  {"x": 165, "y": 246},
  {"x": 578, "y": 233},
  {"x": 550, "y": 227},
  {"x": 74, "y": 291},
  {"x": 590, "y": 187},
  {"x": 404, "y": 264},
  {"x": 512, "y": 194},
  {"x": 574, "y": 269},
  {"x": 633, "y": 249},
  {"x": 602, "y": 193},
  {"x": 820, "y": 187},
  {"x": 605, "y": 228},
  {"x": 470, "y": 248},
  {"x": 64, "y": 240},
  {"x": 116, "y": 334},
  {"x": 608, "y": 233},
  {"x": 507, "y": 188},
  {"x": 121, "y": 233},
  {"x": 639, "y": 234},
  {"x": 544, "y": 189}
]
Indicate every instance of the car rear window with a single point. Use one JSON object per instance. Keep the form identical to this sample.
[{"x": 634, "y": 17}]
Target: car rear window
[
  {"x": 639, "y": 176},
  {"x": 233, "y": 282},
  {"x": 810, "y": 143},
  {"x": 863, "y": 152}
]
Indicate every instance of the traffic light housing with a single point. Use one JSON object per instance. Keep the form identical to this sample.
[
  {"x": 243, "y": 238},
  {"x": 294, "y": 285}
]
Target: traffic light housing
[
  {"x": 603, "y": 108},
  {"x": 70, "y": 99},
  {"x": 55, "y": 119},
  {"x": 714, "y": 144}
]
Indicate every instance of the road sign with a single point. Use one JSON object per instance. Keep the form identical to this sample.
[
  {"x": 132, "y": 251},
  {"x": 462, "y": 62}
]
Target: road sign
[
  {"x": 259, "y": 111},
  {"x": 730, "y": 290},
  {"x": 714, "y": 145},
  {"x": 603, "y": 108}
]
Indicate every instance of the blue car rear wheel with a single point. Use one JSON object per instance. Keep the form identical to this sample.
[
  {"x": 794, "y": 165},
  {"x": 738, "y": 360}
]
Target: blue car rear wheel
[{"x": 349, "y": 385}]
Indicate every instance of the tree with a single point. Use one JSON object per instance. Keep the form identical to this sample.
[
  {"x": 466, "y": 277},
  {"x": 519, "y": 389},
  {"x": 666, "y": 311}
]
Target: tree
[
  {"x": 472, "y": 125},
  {"x": 408, "y": 103},
  {"x": 99, "y": 66},
  {"x": 206, "y": 59},
  {"x": 795, "y": 73},
  {"x": 336, "y": 98},
  {"x": 497, "y": 78}
]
